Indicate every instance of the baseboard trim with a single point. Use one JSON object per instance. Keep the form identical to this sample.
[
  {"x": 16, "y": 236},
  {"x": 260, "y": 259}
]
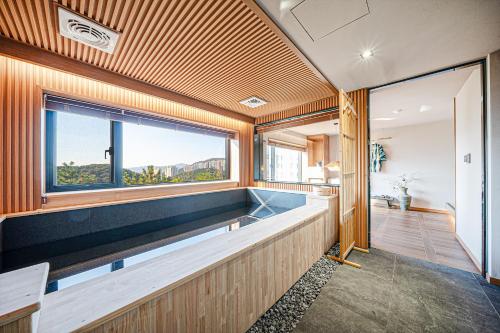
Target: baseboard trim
[
  {"x": 469, "y": 252},
  {"x": 417, "y": 209},
  {"x": 492, "y": 280},
  {"x": 430, "y": 210}
]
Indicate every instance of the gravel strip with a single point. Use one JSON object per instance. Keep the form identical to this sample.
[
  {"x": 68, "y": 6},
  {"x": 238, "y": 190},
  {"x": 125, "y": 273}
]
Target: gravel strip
[{"x": 284, "y": 315}]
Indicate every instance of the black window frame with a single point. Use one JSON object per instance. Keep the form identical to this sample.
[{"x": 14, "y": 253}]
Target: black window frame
[{"x": 54, "y": 104}]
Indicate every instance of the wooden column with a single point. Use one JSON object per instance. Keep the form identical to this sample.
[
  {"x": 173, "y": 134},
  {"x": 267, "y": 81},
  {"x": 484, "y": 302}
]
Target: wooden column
[{"x": 360, "y": 102}]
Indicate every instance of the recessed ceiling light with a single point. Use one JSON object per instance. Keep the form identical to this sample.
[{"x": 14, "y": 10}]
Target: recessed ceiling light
[
  {"x": 366, "y": 54},
  {"x": 425, "y": 108},
  {"x": 253, "y": 102},
  {"x": 397, "y": 111},
  {"x": 383, "y": 119}
]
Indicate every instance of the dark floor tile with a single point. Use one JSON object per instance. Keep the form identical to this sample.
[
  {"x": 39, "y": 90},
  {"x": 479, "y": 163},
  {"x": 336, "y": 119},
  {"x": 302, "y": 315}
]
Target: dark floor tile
[
  {"x": 422, "y": 276},
  {"x": 493, "y": 294},
  {"x": 421, "y": 297},
  {"x": 409, "y": 313},
  {"x": 480, "y": 279},
  {"x": 326, "y": 315},
  {"x": 486, "y": 323},
  {"x": 360, "y": 292},
  {"x": 377, "y": 262},
  {"x": 456, "y": 303}
]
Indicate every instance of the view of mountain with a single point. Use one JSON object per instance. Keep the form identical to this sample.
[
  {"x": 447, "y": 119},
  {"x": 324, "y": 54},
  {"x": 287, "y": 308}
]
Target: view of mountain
[{"x": 211, "y": 169}]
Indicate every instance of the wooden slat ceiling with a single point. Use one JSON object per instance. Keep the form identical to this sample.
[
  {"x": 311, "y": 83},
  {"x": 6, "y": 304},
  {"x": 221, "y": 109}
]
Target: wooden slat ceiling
[{"x": 216, "y": 51}]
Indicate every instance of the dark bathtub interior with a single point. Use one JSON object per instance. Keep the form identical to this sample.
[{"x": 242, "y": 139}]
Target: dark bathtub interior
[{"x": 85, "y": 243}]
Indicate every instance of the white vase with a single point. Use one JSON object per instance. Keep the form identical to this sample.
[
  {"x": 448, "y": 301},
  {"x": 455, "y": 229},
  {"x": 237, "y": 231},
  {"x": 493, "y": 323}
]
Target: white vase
[{"x": 404, "y": 199}]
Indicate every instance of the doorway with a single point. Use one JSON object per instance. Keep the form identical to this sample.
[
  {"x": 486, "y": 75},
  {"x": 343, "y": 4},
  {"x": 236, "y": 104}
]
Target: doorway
[{"x": 427, "y": 167}]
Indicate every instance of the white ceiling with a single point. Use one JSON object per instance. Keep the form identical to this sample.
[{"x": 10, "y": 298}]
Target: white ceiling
[
  {"x": 407, "y": 37},
  {"x": 329, "y": 127},
  {"x": 436, "y": 92}
]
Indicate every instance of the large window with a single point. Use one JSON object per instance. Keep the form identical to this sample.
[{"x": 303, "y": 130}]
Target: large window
[
  {"x": 91, "y": 146},
  {"x": 284, "y": 163},
  {"x": 153, "y": 155}
]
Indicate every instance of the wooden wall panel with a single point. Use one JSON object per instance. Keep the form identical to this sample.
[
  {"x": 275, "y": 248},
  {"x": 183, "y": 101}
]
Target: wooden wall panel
[
  {"x": 21, "y": 86},
  {"x": 360, "y": 101},
  {"x": 246, "y": 159},
  {"x": 215, "y": 51},
  {"x": 323, "y": 104}
]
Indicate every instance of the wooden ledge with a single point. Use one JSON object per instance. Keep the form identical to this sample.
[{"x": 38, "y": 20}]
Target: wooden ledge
[
  {"x": 22, "y": 292},
  {"x": 96, "y": 198}
]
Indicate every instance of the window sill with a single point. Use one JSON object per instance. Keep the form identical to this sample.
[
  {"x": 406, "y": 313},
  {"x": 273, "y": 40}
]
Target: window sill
[{"x": 141, "y": 188}]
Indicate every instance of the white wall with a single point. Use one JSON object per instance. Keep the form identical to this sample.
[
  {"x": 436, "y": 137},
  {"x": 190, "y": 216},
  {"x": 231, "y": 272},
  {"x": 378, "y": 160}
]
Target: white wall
[
  {"x": 333, "y": 146},
  {"x": 425, "y": 151},
  {"x": 493, "y": 158},
  {"x": 468, "y": 216}
]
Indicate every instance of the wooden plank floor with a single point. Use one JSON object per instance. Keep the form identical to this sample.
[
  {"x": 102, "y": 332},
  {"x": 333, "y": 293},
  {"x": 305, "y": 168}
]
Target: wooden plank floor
[{"x": 422, "y": 235}]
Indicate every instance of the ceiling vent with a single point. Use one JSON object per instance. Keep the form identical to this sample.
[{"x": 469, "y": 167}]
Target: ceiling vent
[
  {"x": 253, "y": 102},
  {"x": 82, "y": 30}
]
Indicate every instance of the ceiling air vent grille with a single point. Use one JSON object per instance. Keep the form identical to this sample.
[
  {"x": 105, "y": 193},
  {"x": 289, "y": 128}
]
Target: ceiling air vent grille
[
  {"x": 253, "y": 102},
  {"x": 85, "y": 31}
]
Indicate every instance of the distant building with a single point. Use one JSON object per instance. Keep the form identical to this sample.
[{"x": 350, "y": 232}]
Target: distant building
[{"x": 170, "y": 171}]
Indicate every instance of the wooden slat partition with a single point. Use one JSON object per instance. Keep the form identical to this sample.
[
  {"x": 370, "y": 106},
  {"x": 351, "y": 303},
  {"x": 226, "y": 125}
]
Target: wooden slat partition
[
  {"x": 360, "y": 102},
  {"x": 21, "y": 86},
  {"x": 348, "y": 152}
]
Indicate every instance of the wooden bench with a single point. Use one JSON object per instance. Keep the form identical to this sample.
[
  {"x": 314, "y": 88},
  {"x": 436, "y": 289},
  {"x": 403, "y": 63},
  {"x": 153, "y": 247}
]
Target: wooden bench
[{"x": 390, "y": 200}]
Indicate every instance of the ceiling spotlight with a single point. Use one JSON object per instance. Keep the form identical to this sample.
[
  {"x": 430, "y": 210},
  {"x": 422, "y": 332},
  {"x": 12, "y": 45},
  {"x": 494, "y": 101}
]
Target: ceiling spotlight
[
  {"x": 253, "y": 102},
  {"x": 397, "y": 111},
  {"x": 366, "y": 54},
  {"x": 425, "y": 108}
]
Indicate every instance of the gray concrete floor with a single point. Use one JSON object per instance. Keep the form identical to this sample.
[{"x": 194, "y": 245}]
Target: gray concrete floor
[{"x": 392, "y": 293}]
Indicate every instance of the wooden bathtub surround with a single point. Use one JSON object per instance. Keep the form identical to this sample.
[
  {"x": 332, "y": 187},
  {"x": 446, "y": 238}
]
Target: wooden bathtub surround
[
  {"x": 21, "y": 295},
  {"x": 329, "y": 202},
  {"x": 222, "y": 284}
]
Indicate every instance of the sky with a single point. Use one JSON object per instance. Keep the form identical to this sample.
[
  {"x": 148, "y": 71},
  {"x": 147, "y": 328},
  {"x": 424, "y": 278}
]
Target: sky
[{"x": 83, "y": 140}]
